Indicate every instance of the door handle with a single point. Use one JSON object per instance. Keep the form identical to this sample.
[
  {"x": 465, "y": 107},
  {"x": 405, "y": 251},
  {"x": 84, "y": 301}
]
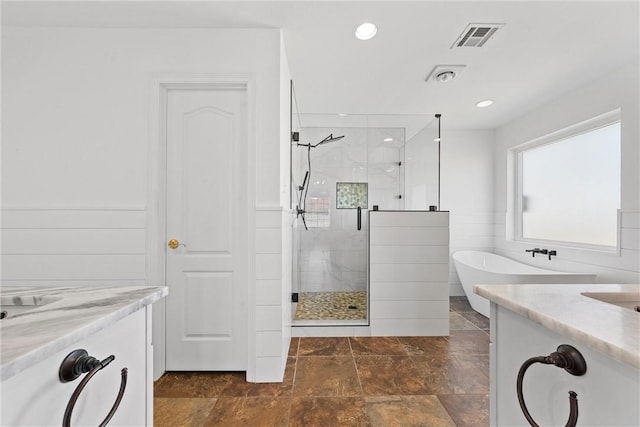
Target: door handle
[
  {"x": 174, "y": 243},
  {"x": 359, "y": 218}
]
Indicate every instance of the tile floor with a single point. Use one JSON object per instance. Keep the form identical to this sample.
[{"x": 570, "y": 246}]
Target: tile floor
[{"x": 361, "y": 381}]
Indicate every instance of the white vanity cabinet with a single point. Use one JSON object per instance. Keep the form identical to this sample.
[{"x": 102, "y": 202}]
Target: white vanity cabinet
[
  {"x": 45, "y": 324},
  {"x": 36, "y": 396},
  {"x": 608, "y": 393},
  {"x": 409, "y": 273}
]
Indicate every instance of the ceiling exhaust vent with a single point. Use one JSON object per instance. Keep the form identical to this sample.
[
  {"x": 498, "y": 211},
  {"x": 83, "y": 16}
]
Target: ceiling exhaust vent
[
  {"x": 476, "y": 35},
  {"x": 445, "y": 73}
]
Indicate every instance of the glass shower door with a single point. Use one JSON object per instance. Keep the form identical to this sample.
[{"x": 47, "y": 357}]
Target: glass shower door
[
  {"x": 334, "y": 185},
  {"x": 331, "y": 266}
]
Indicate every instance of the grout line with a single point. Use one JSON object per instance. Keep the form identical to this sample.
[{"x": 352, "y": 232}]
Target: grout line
[
  {"x": 293, "y": 383},
  {"x": 355, "y": 365}
]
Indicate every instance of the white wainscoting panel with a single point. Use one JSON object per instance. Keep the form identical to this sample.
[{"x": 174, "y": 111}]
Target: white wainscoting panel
[
  {"x": 468, "y": 231},
  {"x": 272, "y": 306},
  {"x": 73, "y": 246},
  {"x": 409, "y": 273}
]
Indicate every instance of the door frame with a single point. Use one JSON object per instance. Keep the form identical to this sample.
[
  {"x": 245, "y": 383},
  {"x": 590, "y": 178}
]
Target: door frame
[{"x": 156, "y": 224}]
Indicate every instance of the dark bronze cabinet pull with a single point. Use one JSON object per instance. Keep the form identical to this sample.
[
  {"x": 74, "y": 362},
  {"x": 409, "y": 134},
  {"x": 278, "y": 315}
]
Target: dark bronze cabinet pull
[
  {"x": 77, "y": 363},
  {"x": 565, "y": 357}
]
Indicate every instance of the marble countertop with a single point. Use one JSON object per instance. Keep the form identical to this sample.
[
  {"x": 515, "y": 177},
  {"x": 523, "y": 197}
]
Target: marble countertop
[
  {"x": 605, "y": 327},
  {"x": 70, "y": 314}
]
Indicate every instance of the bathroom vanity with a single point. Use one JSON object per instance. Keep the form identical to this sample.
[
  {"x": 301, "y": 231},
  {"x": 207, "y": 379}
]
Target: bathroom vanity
[
  {"x": 535, "y": 320},
  {"x": 44, "y": 325}
]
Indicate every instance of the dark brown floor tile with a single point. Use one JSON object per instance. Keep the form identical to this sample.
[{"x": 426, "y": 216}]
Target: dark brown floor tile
[
  {"x": 460, "y": 304},
  {"x": 191, "y": 384},
  {"x": 238, "y": 386},
  {"x": 382, "y": 346},
  {"x": 473, "y": 342},
  {"x": 450, "y": 376},
  {"x": 477, "y": 361},
  {"x": 187, "y": 412},
  {"x": 407, "y": 411},
  {"x": 326, "y": 376},
  {"x": 477, "y": 319},
  {"x": 418, "y": 346},
  {"x": 338, "y": 346},
  {"x": 467, "y": 410},
  {"x": 328, "y": 411},
  {"x": 250, "y": 411},
  {"x": 293, "y": 347},
  {"x": 457, "y": 322},
  {"x": 390, "y": 375}
]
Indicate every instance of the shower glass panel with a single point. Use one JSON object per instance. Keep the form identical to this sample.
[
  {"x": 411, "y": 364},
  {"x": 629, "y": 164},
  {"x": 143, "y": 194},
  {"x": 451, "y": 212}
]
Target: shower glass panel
[{"x": 334, "y": 184}]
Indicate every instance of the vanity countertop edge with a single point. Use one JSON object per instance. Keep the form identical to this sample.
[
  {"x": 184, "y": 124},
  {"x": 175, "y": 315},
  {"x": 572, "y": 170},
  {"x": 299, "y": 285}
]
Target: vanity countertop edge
[
  {"x": 562, "y": 308},
  {"x": 75, "y": 313}
]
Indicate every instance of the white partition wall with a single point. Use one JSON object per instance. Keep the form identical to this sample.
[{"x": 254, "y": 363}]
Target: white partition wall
[{"x": 409, "y": 273}]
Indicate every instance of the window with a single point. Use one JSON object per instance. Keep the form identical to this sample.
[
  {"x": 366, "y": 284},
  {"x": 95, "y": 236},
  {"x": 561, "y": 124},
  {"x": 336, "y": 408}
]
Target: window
[{"x": 568, "y": 185}]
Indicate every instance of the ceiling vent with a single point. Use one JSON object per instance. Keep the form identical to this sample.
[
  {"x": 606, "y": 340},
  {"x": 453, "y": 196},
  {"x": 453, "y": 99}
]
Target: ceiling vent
[
  {"x": 445, "y": 73},
  {"x": 476, "y": 35}
]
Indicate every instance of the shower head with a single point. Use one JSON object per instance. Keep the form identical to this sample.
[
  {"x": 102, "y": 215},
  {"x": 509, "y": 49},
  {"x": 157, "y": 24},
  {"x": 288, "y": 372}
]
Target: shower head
[{"x": 328, "y": 139}]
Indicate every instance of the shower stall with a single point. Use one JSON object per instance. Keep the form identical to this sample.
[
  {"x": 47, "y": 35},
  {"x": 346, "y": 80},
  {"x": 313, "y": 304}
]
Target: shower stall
[{"x": 343, "y": 166}]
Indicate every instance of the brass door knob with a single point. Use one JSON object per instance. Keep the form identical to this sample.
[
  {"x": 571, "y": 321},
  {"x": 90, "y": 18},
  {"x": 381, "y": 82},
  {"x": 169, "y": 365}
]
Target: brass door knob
[{"x": 173, "y": 243}]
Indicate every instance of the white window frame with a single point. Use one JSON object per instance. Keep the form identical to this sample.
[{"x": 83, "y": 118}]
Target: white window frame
[{"x": 515, "y": 154}]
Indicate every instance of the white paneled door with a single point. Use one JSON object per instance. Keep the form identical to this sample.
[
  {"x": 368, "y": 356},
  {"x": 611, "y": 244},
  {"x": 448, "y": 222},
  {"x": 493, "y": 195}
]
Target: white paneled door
[{"x": 207, "y": 211}]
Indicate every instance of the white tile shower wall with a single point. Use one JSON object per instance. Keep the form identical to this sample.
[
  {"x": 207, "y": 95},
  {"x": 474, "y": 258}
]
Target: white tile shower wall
[
  {"x": 70, "y": 246},
  {"x": 409, "y": 296},
  {"x": 333, "y": 257}
]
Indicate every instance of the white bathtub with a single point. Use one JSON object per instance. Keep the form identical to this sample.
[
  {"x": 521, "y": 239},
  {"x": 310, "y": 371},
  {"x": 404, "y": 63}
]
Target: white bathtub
[{"x": 484, "y": 268}]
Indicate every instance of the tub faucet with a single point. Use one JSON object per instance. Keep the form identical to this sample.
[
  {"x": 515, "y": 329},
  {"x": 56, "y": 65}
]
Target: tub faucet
[{"x": 535, "y": 251}]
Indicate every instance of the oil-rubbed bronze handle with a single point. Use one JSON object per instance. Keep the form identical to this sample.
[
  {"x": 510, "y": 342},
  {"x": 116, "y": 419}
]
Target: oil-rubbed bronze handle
[
  {"x": 565, "y": 357},
  {"x": 66, "y": 421}
]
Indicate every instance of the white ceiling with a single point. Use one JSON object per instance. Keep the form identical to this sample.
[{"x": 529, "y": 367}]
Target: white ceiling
[{"x": 546, "y": 48}]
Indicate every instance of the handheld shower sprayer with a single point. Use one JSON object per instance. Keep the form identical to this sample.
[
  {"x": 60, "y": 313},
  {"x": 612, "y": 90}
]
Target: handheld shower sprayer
[{"x": 304, "y": 181}]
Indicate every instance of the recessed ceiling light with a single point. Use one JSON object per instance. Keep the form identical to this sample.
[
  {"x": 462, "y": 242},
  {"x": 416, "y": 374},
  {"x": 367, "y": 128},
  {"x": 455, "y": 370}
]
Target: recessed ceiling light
[
  {"x": 342, "y": 114},
  {"x": 366, "y": 31},
  {"x": 388, "y": 139},
  {"x": 484, "y": 103}
]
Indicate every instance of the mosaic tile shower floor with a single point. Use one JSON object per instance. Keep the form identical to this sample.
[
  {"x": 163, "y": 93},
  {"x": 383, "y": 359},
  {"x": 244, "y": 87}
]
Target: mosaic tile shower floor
[{"x": 332, "y": 306}]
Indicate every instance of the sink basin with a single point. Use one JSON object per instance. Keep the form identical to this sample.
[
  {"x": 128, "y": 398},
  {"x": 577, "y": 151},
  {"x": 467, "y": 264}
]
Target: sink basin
[
  {"x": 629, "y": 300},
  {"x": 12, "y": 306}
]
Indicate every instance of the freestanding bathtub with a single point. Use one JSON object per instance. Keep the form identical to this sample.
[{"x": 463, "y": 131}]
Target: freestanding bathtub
[{"x": 484, "y": 268}]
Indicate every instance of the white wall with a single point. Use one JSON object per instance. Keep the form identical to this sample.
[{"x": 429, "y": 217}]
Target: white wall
[
  {"x": 466, "y": 190},
  {"x": 76, "y": 145},
  {"x": 618, "y": 89}
]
